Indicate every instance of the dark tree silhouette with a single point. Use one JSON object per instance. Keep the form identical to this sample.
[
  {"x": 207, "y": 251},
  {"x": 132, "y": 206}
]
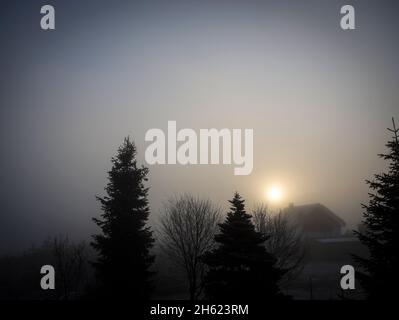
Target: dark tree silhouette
[
  {"x": 188, "y": 226},
  {"x": 240, "y": 267},
  {"x": 381, "y": 235},
  {"x": 20, "y": 276},
  {"x": 285, "y": 241},
  {"x": 124, "y": 245},
  {"x": 70, "y": 265}
]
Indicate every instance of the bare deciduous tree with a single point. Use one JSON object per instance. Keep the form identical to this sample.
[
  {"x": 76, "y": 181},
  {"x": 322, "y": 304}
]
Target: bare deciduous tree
[
  {"x": 70, "y": 263},
  {"x": 187, "y": 228},
  {"x": 285, "y": 242}
]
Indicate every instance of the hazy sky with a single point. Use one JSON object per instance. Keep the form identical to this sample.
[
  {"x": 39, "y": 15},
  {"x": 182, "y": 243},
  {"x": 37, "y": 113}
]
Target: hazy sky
[{"x": 318, "y": 98}]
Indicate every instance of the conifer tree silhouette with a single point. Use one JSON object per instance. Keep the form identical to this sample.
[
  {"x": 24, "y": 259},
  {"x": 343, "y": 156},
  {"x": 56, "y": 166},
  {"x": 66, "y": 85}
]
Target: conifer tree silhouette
[
  {"x": 240, "y": 267},
  {"x": 381, "y": 235},
  {"x": 124, "y": 245}
]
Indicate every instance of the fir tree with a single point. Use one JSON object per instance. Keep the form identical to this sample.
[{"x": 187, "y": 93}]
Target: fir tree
[
  {"x": 124, "y": 245},
  {"x": 240, "y": 267},
  {"x": 381, "y": 235}
]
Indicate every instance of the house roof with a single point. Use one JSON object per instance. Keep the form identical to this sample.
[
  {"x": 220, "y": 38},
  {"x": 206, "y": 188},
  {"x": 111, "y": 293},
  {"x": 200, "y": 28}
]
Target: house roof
[{"x": 309, "y": 210}]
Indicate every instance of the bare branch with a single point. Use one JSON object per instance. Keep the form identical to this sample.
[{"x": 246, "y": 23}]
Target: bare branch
[
  {"x": 284, "y": 241},
  {"x": 188, "y": 225}
]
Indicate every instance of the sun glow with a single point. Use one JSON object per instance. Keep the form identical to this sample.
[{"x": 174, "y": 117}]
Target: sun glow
[{"x": 274, "y": 194}]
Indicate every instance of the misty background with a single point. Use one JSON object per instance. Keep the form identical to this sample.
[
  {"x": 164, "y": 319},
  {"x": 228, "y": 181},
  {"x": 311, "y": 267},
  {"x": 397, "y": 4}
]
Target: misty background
[{"x": 318, "y": 98}]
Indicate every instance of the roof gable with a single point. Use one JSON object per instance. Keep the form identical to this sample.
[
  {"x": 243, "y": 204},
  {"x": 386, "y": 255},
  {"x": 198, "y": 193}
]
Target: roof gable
[{"x": 314, "y": 211}]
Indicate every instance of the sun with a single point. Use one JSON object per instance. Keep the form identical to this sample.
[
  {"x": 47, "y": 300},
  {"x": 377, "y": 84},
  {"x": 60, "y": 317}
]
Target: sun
[{"x": 274, "y": 194}]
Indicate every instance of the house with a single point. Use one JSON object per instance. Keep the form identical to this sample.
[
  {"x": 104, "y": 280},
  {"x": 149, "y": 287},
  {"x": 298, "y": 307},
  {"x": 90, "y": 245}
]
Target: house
[{"x": 315, "y": 220}]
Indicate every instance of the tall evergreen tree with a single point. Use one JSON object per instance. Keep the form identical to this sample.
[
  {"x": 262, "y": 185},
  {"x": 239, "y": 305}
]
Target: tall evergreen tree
[
  {"x": 240, "y": 267},
  {"x": 124, "y": 245},
  {"x": 381, "y": 235}
]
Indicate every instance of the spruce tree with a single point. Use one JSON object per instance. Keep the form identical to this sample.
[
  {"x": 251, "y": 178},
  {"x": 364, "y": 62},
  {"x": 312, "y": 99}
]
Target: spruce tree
[
  {"x": 124, "y": 245},
  {"x": 240, "y": 267},
  {"x": 381, "y": 235}
]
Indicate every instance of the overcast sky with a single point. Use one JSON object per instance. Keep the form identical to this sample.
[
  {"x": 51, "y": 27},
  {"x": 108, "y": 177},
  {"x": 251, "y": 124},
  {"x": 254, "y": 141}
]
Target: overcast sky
[{"x": 318, "y": 98}]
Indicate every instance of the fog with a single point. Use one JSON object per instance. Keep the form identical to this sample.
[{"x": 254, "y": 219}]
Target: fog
[{"x": 318, "y": 99}]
